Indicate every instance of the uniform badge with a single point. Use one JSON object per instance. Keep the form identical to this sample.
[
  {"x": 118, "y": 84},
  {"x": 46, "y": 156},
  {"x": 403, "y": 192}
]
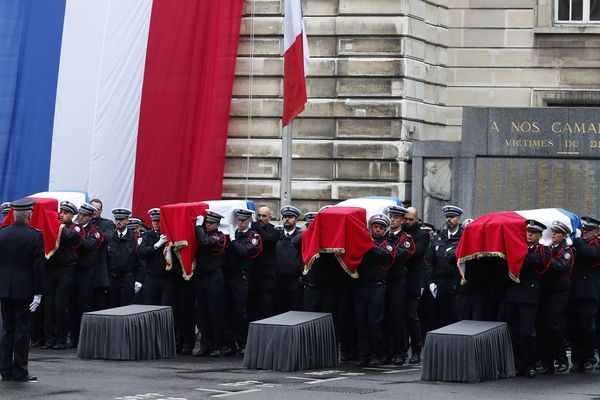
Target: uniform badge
[
  {"x": 97, "y": 235},
  {"x": 436, "y": 248},
  {"x": 407, "y": 244},
  {"x": 139, "y": 241},
  {"x": 77, "y": 229},
  {"x": 389, "y": 248},
  {"x": 567, "y": 256},
  {"x": 254, "y": 241}
]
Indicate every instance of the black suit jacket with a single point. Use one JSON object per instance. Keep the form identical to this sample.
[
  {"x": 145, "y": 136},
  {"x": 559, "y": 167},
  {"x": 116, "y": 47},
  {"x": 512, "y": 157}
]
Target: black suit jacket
[{"x": 21, "y": 263}]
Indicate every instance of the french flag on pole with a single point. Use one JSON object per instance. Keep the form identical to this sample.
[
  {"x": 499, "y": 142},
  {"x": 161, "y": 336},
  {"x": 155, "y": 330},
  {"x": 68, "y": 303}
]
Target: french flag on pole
[
  {"x": 127, "y": 100},
  {"x": 295, "y": 61}
]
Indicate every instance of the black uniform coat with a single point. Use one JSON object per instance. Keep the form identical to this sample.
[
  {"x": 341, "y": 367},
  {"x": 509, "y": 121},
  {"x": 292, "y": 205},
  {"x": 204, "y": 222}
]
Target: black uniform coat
[
  {"x": 288, "y": 257},
  {"x": 241, "y": 253},
  {"x": 21, "y": 262},
  {"x": 405, "y": 249},
  {"x": 123, "y": 254},
  {"x": 101, "y": 270},
  {"x": 440, "y": 261},
  {"x": 536, "y": 263},
  {"x": 262, "y": 276},
  {"x": 155, "y": 264},
  {"x": 211, "y": 251},
  {"x": 415, "y": 265},
  {"x": 71, "y": 238},
  {"x": 558, "y": 275},
  {"x": 585, "y": 279}
]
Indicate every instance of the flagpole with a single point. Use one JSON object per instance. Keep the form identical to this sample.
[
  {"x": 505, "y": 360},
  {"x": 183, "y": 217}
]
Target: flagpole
[{"x": 285, "y": 189}]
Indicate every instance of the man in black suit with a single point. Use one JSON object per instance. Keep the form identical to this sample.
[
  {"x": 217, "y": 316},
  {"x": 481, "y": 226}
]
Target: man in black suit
[{"x": 21, "y": 269}]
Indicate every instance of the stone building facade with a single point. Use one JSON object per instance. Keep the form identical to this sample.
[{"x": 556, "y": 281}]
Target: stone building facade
[{"x": 385, "y": 74}]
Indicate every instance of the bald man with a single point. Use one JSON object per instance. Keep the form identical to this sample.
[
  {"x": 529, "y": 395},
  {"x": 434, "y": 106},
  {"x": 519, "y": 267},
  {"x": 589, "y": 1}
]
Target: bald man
[{"x": 414, "y": 281}]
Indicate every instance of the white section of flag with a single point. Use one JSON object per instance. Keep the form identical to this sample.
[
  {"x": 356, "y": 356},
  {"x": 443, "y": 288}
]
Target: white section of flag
[{"x": 293, "y": 26}]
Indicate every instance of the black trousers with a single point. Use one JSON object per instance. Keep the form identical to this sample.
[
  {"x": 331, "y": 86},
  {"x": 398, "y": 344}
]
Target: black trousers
[
  {"x": 121, "y": 290},
  {"x": 81, "y": 301},
  {"x": 520, "y": 319},
  {"x": 159, "y": 291},
  {"x": 551, "y": 327},
  {"x": 58, "y": 286},
  {"x": 260, "y": 304},
  {"x": 446, "y": 305},
  {"x": 209, "y": 309},
  {"x": 288, "y": 295},
  {"x": 413, "y": 324},
  {"x": 235, "y": 296},
  {"x": 184, "y": 312},
  {"x": 14, "y": 342},
  {"x": 395, "y": 316},
  {"x": 320, "y": 299},
  {"x": 99, "y": 298},
  {"x": 580, "y": 328},
  {"x": 369, "y": 306}
]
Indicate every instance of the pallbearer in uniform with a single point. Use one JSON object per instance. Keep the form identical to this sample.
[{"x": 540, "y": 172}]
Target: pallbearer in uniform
[
  {"x": 100, "y": 280},
  {"x": 553, "y": 302},
  {"x": 395, "y": 292},
  {"x": 159, "y": 284},
  {"x": 21, "y": 271},
  {"x": 245, "y": 245},
  {"x": 288, "y": 263},
  {"x": 58, "y": 283},
  {"x": 442, "y": 276},
  {"x": 86, "y": 264},
  {"x": 522, "y": 300},
  {"x": 584, "y": 295},
  {"x": 369, "y": 296},
  {"x": 123, "y": 261},
  {"x": 210, "y": 259}
]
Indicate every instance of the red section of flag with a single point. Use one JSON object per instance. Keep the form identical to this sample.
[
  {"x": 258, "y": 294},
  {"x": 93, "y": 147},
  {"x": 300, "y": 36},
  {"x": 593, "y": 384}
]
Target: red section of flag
[
  {"x": 178, "y": 222},
  {"x": 186, "y": 98},
  {"x": 45, "y": 219},
  {"x": 500, "y": 234},
  {"x": 294, "y": 82},
  {"x": 338, "y": 230}
]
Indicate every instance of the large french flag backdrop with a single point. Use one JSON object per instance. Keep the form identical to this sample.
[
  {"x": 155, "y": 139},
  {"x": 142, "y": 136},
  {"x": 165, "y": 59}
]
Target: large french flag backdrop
[{"x": 127, "y": 100}]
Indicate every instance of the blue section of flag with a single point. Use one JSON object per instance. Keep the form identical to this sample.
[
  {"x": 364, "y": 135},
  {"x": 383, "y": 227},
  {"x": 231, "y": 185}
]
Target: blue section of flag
[
  {"x": 575, "y": 220},
  {"x": 30, "y": 43}
]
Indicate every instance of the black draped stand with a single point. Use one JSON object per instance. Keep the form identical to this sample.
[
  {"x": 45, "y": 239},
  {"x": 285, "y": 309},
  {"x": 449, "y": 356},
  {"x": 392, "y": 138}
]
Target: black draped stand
[
  {"x": 134, "y": 332},
  {"x": 292, "y": 341},
  {"x": 468, "y": 351}
]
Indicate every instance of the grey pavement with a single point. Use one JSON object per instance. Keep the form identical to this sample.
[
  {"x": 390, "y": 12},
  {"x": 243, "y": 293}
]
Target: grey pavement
[{"x": 64, "y": 376}]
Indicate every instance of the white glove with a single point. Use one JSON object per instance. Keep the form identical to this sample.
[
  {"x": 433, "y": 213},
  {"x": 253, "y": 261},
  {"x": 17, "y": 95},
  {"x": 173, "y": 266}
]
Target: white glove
[
  {"x": 37, "y": 299},
  {"x": 161, "y": 240},
  {"x": 199, "y": 220},
  {"x": 577, "y": 233},
  {"x": 136, "y": 287},
  {"x": 433, "y": 289},
  {"x": 232, "y": 236},
  {"x": 422, "y": 290}
]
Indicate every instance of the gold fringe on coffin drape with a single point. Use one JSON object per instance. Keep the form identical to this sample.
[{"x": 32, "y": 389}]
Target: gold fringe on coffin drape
[
  {"x": 337, "y": 253},
  {"x": 461, "y": 263},
  {"x": 51, "y": 253},
  {"x": 174, "y": 248}
]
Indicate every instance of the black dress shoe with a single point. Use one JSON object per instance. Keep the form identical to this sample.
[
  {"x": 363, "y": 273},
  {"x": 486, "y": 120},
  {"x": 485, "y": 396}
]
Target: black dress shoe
[
  {"x": 216, "y": 353},
  {"x": 588, "y": 366},
  {"x": 186, "y": 350},
  {"x": 36, "y": 343},
  {"x": 415, "y": 359},
  {"x": 28, "y": 378},
  {"x": 228, "y": 351},
  {"x": 59, "y": 346},
  {"x": 562, "y": 368},
  {"x": 399, "y": 361},
  {"x": 576, "y": 368},
  {"x": 530, "y": 372},
  {"x": 47, "y": 345}
]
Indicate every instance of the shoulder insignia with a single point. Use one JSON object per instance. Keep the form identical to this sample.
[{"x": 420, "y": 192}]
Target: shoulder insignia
[
  {"x": 407, "y": 244},
  {"x": 216, "y": 236},
  {"x": 254, "y": 241},
  {"x": 77, "y": 228},
  {"x": 567, "y": 256},
  {"x": 139, "y": 241},
  {"x": 389, "y": 248},
  {"x": 97, "y": 235}
]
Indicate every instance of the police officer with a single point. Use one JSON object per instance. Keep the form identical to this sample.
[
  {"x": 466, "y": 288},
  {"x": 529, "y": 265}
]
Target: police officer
[
  {"x": 123, "y": 261},
  {"x": 100, "y": 281},
  {"x": 58, "y": 280},
  {"x": 522, "y": 300},
  {"x": 210, "y": 259},
  {"x": 309, "y": 217},
  {"x": 288, "y": 263},
  {"x": 415, "y": 277},
  {"x": 553, "y": 302},
  {"x": 159, "y": 284},
  {"x": 583, "y": 295},
  {"x": 441, "y": 271},
  {"x": 84, "y": 273},
  {"x": 369, "y": 296},
  {"x": 396, "y": 293},
  {"x": 5, "y": 207},
  {"x": 245, "y": 245},
  {"x": 261, "y": 282},
  {"x": 21, "y": 271}
]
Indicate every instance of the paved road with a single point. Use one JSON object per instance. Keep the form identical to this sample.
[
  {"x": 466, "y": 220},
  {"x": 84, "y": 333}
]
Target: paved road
[{"x": 64, "y": 376}]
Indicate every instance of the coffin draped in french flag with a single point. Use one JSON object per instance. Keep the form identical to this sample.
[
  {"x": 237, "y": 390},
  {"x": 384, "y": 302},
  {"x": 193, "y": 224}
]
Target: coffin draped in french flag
[
  {"x": 502, "y": 234},
  {"x": 178, "y": 223},
  {"x": 126, "y": 99}
]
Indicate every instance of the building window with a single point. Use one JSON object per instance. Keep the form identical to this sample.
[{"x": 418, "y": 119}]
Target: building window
[{"x": 577, "y": 11}]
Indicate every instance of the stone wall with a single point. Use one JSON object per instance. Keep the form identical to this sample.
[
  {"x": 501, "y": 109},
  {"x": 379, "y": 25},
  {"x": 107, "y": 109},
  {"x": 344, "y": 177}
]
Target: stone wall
[{"x": 377, "y": 82}]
